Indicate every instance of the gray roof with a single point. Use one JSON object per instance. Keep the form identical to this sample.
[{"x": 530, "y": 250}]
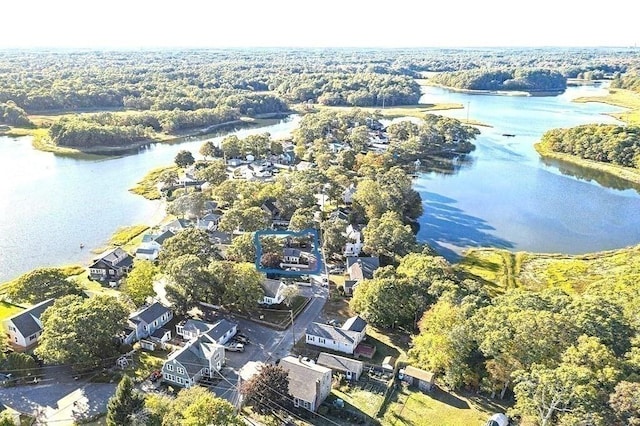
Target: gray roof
[
  {"x": 111, "y": 257},
  {"x": 356, "y": 323},
  {"x": 294, "y": 252},
  {"x": 331, "y": 332},
  {"x": 362, "y": 267},
  {"x": 149, "y": 313},
  {"x": 339, "y": 363},
  {"x": 160, "y": 239},
  {"x": 28, "y": 322},
  {"x": 197, "y": 326},
  {"x": 159, "y": 333},
  {"x": 220, "y": 237},
  {"x": 146, "y": 251},
  {"x": 220, "y": 329},
  {"x": 270, "y": 287},
  {"x": 178, "y": 224},
  {"x": 192, "y": 358},
  {"x": 303, "y": 377}
]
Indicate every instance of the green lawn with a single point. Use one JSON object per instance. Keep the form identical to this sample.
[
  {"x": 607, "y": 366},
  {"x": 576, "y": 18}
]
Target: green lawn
[
  {"x": 362, "y": 399},
  {"x": 7, "y": 309},
  {"x": 410, "y": 407}
]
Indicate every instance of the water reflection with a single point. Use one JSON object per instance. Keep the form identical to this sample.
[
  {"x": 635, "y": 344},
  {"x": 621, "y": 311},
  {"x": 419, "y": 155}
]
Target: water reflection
[{"x": 587, "y": 174}]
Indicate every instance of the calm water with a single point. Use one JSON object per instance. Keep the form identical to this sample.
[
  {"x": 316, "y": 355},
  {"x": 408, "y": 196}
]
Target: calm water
[
  {"x": 51, "y": 204},
  {"x": 505, "y": 196}
]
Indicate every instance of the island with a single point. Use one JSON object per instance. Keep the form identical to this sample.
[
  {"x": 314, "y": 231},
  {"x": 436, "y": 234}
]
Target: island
[{"x": 507, "y": 81}]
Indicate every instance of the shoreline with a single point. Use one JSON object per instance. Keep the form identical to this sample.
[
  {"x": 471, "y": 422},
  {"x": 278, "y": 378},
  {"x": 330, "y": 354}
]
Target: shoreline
[
  {"x": 626, "y": 173},
  {"x": 497, "y": 92}
]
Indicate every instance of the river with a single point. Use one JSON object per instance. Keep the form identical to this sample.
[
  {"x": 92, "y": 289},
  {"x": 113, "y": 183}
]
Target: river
[{"x": 503, "y": 195}]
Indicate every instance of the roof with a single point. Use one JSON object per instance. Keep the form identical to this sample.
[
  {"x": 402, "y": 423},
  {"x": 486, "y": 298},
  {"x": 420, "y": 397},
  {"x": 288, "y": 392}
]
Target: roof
[
  {"x": 339, "y": 363},
  {"x": 115, "y": 258},
  {"x": 339, "y": 214},
  {"x": 270, "y": 205},
  {"x": 178, "y": 224},
  {"x": 160, "y": 239},
  {"x": 194, "y": 356},
  {"x": 350, "y": 284},
  {"x": 211, "y": 217},
  {"x": 210, "y": 205},
  {"x": 150, "y": 313},
  {"x": 303, "y": 377},
  {"x": 159, "y": 333},
  {"x": 250, "y": 369},
  {"x": 28, "y": 322},
  {"x": 388, "y": 361},
  {"x": 356, "y": 323},
  {"x": 418, "y": 373},
  {"x": 196, "y": 326},
  {"x": 220, "y": 328},
  {"x": 331, "y": 332},
  {"x": 292, "y": 252},
  {"x": 270, "y": 287},
  {"x": 146, "y": 250},
  {"x": 220, "y": 237},
  {"x": 362, "y": 267}
]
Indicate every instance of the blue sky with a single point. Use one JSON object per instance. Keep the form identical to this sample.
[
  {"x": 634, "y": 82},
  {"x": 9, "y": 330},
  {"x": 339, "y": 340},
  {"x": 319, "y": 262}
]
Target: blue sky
[{"x": 327, "y": 23}]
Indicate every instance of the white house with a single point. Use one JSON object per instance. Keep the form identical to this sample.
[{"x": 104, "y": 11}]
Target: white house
[
  {"x": 274, "y": 291},
  {"x": 209, "y": 222},
  {"x": 25, "y": 328},
  {"x": 351, "y": 368},
  {"x": 151, "y": 244},
  {"x": 220, "y": 332},
  {"x": 344, "y": 339},
  {"x": 309, "y": 384},
  {"x": 347, "y": 194},
  {"x": 146, "y": 321},
  {"x": 291, "y": 255},
  {"x": 355, "y": 241}
]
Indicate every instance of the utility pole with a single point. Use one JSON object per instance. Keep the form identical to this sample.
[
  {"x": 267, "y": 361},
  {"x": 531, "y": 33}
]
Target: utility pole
[{"x": 293, "y": 334}]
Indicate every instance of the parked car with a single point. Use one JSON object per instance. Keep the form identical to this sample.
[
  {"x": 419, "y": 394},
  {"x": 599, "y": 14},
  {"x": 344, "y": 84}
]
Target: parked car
[
  {"x": 241, "y": 338},
  {"x": 336, "y": 270},
  {"x": 235, "y": 347}
]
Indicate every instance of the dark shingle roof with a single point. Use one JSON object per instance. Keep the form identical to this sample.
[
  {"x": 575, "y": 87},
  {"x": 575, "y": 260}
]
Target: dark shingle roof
[
  {"x": 331, "y": 332},
  {"x": 28, "y": 322},
  {"x": 197, "y": 326},
  {"x": 303, "y": 377},
  {"x": 339, "y": 363},
  {"x": 220, "y": 329},
  {"x": 270, "y": 287},
  {"x": 362, "y": 267},
  {"x": 159, "y": 333},
  {"x": 150, "y": 313},
  {"x": 160, "y": 239},
  {"x": 356, "y": 323}
]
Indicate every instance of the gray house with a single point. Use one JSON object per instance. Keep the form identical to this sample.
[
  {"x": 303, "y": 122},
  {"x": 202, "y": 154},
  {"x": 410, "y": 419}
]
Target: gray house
[
  {"x": 309, "y": 384},
  {"x": 146, "y": 321},
  {"x": 351, "y": 368},
  {"x": 201, "y": 358},
  {"x": 24, "y": 328},
  {"x": 111, "y": 265},
  {"x": 220, "y": 332},
  {"x": 424, "y": 380}
]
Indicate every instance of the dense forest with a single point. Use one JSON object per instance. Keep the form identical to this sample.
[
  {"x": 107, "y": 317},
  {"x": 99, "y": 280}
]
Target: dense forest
[
  {"x": 13, "y": 115},
  {"x": 630, "y": 81},
  {"x": 528, "y": 80},
  {"x": 608, "y": 143}
]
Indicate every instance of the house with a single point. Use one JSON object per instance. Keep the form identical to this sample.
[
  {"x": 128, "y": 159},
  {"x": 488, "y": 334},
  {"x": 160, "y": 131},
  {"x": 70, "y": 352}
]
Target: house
[
  {"x": 111, "y": 265},
  {"x": 270, "y": 207},
  {"x": 389, "y": 363},
  {"x": 348, "y": 193},
  {"x": 220, "y": 332},
  {"x": 151, "y": 245},
  {"x": 25, "y": 328},
  {"x": 359, "y": 268},
  {"x": 344, "y": 339},
  {"x": 424, "y": 380},
  {"x": 209, "y": 222},
  {"x": 340, "y": 214},
  {"x": 199, "y": 359},
  {"x": 157, "y": 340},
  {"x": 309, "y": 384},
  {"x": 146, "y": 321},
  {"x": 355, "y": 243},
  {"x": 177, "y": 225},
  {"x": 351, "y": 368},
  {"x": 219, "y": 237},
  {"x": 274, "y": 291},
  {"x": 291, "y": 255}
]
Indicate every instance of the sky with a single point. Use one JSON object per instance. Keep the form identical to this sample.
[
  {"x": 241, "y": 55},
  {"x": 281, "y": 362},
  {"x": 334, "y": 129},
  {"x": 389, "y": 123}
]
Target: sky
[{"x": 135, "y": 24}]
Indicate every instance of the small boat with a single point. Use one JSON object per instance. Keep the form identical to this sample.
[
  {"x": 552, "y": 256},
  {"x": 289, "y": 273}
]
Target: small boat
[
  {"x": 81, "y": 246},
  {"x": 509, "y": 135}
]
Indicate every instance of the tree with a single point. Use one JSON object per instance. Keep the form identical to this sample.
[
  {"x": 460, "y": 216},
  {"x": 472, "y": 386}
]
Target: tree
[
  {"x": 249, "y": 220},
  {"x": 268, "y": 391},
  {"x": 333, "y": 236},
  {"x": 80, "y": 331},
  {"x": 196, "y": 406},
  {"x": 388, "y": 236},
  {"x": 271, "y": 260},
  {"x": 190, "y": 241},
  {"x": 302, "y": 219},
  {"x": 215, "y": 173},
  {"x": 231, "y": 146},
  {"x": 138, "y": 284},
  {"x": 242, "y": 248},
  {"x": 208, "y": 149},
  {"x": 168, "y": 177},
  {"x": 42, "y": 284},
  {"x": 184, "y": 158},
  {"x": 124, "y": 403},
  {"x": 242, "y": 287},
  {"x": 625, "y": 402},
  {"x": 189, "y": 282},
  {"x": 189, "y": 205},
  {"x": 6, "y": 419},
  {"x": 290, "y": 293}
]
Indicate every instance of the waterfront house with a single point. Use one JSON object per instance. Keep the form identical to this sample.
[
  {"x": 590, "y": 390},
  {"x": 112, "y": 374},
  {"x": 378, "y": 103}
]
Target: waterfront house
[
  {"x": 423, "y": 379},
  {"x": 359, "y": 268},
  {"x": 25, "y": 328},
  {"x": 309, "y": 383},
  {"x": 144, "y": 322},
  {"x": 351, "y": 368},
  {"x": 197, "y": 360},
  {"x": 151, "y": 244},
  {"x": 111, "y": 265},
  {"x": 177, "y": 225}
]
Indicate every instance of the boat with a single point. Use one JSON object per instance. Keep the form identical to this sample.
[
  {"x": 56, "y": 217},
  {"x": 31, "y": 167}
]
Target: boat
[
  {"x": 81, "y": 246},
  {"x": 509, "y": 135}
]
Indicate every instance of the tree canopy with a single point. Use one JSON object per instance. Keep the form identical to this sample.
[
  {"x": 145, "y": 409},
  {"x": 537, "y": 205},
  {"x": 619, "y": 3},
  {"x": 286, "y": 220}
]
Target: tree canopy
[{"x": 42, "y": 284}]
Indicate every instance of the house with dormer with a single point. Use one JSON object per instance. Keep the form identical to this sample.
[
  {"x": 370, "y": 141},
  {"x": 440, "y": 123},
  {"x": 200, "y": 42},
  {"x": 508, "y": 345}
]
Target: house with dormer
[
  {"x": 146, "y": 321},
  {"x": 309, "y": 383},
  {"x": 197, "y": 360},
  {"x": 25, "y": 328},
  {"x": 111, "y": 265},
  {"x": 149, "y": 248},
  {"x": 342, "y": 339},
  {"x": 220, "y": 332}
]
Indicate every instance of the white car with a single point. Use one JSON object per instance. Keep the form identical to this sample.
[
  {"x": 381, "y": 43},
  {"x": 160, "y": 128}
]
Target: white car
[{"x": 235, "y": 347}]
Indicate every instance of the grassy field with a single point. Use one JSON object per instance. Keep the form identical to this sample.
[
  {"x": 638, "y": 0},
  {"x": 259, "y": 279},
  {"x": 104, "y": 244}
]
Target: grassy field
[
  {"x": 502, "y": 270},
  {"x": 409, "y": 407},
  {"x": 127, "y": 237},
  {"x": 147, "y": 187},
  {"x": 622, "y": 98},
  {"x": 8, "y": 309},
  {"x": 400, "y": 111}
]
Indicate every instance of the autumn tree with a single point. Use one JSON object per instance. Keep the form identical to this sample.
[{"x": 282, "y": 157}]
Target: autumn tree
[
  {"x": 388, "y": 236},
  {"x": 192, "y": 241},
  {"x": 268, "y": 391},
  {"x": 625, "y": 402},
  {"x": 215, "y": 173},
  {"x": 138, "y": 284}
]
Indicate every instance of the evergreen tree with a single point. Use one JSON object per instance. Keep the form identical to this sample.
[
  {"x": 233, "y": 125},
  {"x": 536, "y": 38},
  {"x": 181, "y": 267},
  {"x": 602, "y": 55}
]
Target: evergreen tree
[{"x": 123, "y": 404}]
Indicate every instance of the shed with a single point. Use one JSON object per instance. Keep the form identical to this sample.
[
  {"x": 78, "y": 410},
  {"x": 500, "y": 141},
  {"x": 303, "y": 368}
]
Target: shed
[
  {"x": 389, "y": 363},
  {"x": 424, "y": 380},
  {"x": 351, "y": 368}
]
